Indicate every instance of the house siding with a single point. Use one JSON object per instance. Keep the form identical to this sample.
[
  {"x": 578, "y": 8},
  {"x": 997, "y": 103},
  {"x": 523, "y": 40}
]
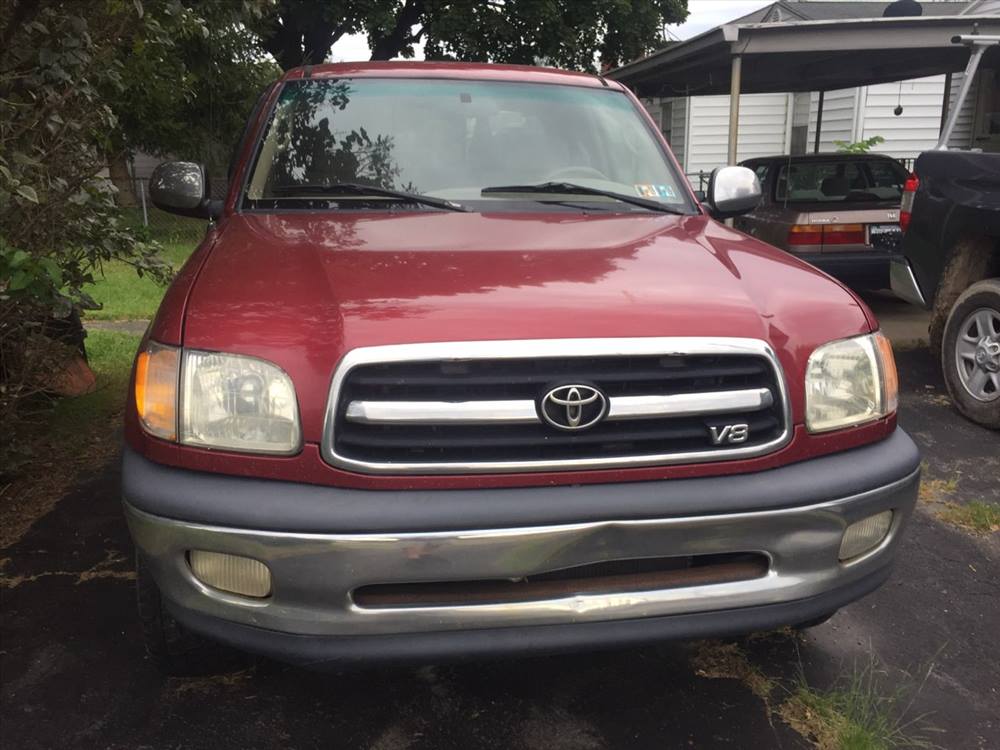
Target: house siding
[
  {"x": 678, "y": 130},
  {"x": 699, "y": 130},
  {"x": 763, "y": 129},
  {"x": 917, "y": 128},
  {"x": 839, "y": 114}
]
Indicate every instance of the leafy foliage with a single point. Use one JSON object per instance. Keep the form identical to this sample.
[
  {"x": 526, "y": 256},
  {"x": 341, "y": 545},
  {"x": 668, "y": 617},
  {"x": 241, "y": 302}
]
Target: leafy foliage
[
  {"x": 859, "y": 147},
  {"x": 564, "y": 33},
  {"x": 59, "y": 221},
  {"x": 189, "y": 82}
]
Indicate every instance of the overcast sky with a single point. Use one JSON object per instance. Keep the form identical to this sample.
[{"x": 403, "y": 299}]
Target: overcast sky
[{"x": 704, "y": 15}]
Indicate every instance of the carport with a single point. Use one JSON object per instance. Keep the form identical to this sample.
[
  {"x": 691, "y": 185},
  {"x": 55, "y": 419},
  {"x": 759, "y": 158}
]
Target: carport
[{"x": 816, "y": 56}]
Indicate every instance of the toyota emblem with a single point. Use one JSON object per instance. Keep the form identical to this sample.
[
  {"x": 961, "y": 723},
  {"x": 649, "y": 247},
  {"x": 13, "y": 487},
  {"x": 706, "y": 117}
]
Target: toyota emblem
[{"x": 573, "y": 407}]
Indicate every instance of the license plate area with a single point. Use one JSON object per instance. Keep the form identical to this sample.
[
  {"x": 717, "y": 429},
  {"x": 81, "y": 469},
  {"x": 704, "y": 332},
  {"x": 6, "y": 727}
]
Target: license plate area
[{"x": 885, "y": 236}]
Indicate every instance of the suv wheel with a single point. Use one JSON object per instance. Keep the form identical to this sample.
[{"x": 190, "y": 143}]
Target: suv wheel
[
  {"x": 174, "y": 649},
  {"x": 970, "y": 353}
]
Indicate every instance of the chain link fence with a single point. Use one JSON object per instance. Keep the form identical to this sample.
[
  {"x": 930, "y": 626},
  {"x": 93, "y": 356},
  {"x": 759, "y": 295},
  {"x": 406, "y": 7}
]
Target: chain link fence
[{"x": 155, "y": 224}]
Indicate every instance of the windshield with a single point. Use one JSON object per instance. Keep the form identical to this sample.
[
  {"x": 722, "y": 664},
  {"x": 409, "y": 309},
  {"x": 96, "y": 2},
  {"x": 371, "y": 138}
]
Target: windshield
[
  {"x": 451, "y": 139},
  {"x": 840, "y": 181}
]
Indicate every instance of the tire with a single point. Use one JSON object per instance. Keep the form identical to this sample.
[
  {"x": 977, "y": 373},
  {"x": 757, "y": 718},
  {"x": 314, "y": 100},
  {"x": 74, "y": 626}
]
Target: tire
[
  {"x": 968, "y": 261},
  {"x": 174, "y": 649},
  {"x": 975, "y": 385}
]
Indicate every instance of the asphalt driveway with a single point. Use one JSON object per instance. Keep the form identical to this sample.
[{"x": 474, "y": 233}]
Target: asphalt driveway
[{"x": 73, "y": 672}]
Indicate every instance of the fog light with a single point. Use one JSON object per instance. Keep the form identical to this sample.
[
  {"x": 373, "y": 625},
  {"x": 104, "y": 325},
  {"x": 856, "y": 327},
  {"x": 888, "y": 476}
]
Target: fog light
[
  {"x": 864, "y": 535},
  {"x": 232, "y": 573}
]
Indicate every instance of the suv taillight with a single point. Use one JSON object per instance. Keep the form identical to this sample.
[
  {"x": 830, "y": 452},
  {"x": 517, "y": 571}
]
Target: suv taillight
[{"x": 906, "y": 207}]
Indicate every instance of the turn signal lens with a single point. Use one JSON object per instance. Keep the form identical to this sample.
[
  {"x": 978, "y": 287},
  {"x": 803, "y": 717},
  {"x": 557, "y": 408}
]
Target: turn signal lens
[
  {"x": 232, "y": 573},
  {"x": 156, "y": 374},
  {"x": 865, "y": 535},
  {"x": 890, "y": 379}
]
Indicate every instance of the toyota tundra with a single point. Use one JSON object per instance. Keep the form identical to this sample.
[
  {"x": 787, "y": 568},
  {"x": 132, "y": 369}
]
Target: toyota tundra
[{"x": 462, "y": 366}]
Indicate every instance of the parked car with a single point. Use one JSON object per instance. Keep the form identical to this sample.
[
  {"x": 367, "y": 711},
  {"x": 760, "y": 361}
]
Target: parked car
[
  {"x": 839, "y": 212},
  {"x": 462, "y": 367}
]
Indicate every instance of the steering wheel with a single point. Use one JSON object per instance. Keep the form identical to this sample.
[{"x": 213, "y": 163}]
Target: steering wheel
[{"x": 570, "y": 172}]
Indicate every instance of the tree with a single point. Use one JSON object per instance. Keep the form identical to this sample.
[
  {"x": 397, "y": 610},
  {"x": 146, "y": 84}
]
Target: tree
[
  {"x": 301, "y": 32},
  {"x": 187, "y": 90},
  {"x": 578, "y": 34},
  {"x": 58, "y": 218}
]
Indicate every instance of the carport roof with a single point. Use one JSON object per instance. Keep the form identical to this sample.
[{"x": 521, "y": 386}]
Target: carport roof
[{"x": 809, "y": 55}]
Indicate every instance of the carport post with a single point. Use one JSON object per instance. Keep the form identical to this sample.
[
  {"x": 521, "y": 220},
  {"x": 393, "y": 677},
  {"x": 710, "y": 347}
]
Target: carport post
[
  {"x": 734, "y": 106},
  {"x": 975, "y": 55},
  {"x": 819, "y": 121},
  {"x": 946, "y": 100}
]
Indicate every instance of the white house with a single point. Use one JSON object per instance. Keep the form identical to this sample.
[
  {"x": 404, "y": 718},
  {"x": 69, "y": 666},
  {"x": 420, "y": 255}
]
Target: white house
[{"x": 697, "y": 126}]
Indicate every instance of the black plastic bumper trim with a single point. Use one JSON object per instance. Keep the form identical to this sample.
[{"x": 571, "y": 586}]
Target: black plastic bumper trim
[{"x": 261, "y": 504}]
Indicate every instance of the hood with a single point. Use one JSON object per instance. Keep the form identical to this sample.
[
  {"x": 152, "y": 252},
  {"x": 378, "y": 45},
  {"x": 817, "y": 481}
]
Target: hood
[{"x": 301, "y": 289}]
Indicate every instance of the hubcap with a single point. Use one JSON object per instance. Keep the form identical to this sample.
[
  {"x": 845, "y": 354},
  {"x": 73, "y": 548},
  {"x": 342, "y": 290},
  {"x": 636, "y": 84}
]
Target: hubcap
[{"x": 977, "y": 354}]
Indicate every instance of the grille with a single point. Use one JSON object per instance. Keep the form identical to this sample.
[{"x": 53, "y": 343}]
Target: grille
[{"x": 482, "y": 413}]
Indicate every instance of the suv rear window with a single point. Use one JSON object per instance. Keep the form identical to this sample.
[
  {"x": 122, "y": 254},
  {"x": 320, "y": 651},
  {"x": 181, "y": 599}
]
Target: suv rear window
[
  {"x": 840, "y": 181},
  {"x": 452, "y": 138}
]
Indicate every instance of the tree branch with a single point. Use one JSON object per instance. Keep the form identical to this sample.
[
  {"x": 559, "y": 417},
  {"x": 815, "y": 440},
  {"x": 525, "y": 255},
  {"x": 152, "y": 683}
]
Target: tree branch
[{"x": 387, "y": 46}]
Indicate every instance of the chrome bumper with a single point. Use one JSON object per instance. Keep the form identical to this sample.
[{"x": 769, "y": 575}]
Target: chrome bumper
[{"x": 314, "y": 575}]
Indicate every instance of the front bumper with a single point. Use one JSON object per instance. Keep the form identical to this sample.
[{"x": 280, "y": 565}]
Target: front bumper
[{"x": 795, "y": 516}]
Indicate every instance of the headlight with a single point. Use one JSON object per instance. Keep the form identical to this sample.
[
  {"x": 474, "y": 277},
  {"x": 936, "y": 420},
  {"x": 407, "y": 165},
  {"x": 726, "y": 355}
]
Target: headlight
[
  {"x": 849, "y": 382},
  {"x": 226, "y": 400},
  {"x": 242, "y": 403}
]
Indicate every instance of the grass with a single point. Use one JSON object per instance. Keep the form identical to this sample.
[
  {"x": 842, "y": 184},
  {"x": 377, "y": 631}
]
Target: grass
[
  {"x": 856, "y": 714},
  {"x": 975, "y": 515},
  {"x": 110, "y": 355},
  {"x": 936, "y": 490},
  {"x": 124, "y": 295},
  {"x": 859, "y": 712},
  {"x": 78, "y": 436}
]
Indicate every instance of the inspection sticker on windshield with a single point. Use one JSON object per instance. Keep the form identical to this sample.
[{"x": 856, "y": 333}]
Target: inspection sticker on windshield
[{"x": 655, "y": 191}]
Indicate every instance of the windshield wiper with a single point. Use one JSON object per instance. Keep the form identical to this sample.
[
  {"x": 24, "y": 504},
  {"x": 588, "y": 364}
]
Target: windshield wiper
[
  {"x": 571, "y": 188},
  {"x": 341, "y": 189}
]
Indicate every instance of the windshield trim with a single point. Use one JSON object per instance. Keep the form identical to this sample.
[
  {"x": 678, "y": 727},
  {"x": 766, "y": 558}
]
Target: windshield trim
[{"x": 690, "y": 205}]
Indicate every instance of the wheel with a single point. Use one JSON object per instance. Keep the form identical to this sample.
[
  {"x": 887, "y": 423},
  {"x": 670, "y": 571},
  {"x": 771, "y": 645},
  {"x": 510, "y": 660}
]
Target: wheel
[
  {"x": 970, "y": 353},
  {"x": 174, "y": 649},
  {"x": 968, "y": 261}
]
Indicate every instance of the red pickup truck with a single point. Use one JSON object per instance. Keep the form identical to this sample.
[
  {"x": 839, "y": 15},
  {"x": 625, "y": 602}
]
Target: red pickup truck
[{"x": 462, "y": 367}]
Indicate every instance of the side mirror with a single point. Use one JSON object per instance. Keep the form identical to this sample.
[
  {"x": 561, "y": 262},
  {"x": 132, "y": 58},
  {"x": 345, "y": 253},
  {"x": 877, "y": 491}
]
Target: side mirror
[
  {"x": 181, "y": 187},
  {"x": 732, "y": 191}
]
